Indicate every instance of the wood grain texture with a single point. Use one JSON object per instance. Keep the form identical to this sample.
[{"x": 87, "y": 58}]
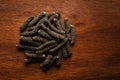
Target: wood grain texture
[{"x": 96, "y": 53}]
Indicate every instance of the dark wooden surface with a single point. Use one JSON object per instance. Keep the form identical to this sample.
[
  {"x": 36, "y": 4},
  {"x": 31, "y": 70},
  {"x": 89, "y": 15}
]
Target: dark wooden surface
[{"x": 96, "y": 54}]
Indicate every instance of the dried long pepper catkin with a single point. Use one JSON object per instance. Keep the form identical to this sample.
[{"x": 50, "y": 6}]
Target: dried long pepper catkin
[
  {"x": 25, "y": 47},
  {"x": 40, "y": 39},
  {"x": 54, "y": 16},
  {"x": 46, "y": 40},
  {"x": 25, "y": 25},
  {"x": 52, "y": 33},
  {"x": 59, "y": 25},
  {"x": 72, "y": 33},
  {"x": 36, "y": 20},
  {"x": 29, "y": 41},
  {"x": 46, "y": 44},
  {"x": 29, "y": 33},
  {"x": 46, "y": 63},
  {"x": 44, "y": 34},
  {"x": 59, "y": 45},
  {"x": 32, "y": 55},
  {"x": 59, "y": 58},
  {"x": 46, "y": 49},
  {"x": 30, "y": 28},
  {"x": 54, "y": 28}
]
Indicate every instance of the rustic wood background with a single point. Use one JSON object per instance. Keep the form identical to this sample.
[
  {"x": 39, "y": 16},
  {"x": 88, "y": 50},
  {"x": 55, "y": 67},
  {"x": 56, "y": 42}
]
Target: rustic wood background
[{"x": 96, "y": 54}]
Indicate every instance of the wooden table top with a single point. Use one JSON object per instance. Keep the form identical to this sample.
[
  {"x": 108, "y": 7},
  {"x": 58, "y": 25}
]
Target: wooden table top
[{"x": 96, "y": 53}]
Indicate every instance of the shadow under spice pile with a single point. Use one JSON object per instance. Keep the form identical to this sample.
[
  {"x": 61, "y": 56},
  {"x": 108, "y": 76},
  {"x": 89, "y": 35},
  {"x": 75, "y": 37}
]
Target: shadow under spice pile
[{"x": 46, "y": 40}]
